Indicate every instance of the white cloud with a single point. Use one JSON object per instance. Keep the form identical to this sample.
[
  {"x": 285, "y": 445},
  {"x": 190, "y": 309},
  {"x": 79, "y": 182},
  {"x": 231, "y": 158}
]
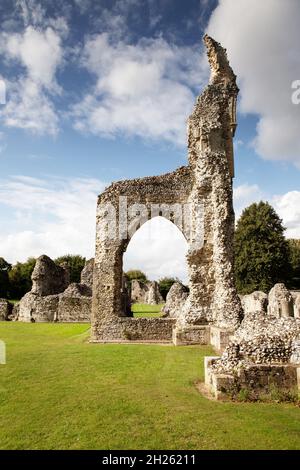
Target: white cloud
[
  {"x": 29, "y": 108},
  {"x": 288, "y": 208},
  {"x": 53, "y": 217},
  {"x": 57, "y": 216},
  {"x": 165, "y": 254},
  {"x": 39, "y": 52},
  {"x": 286, "y": 205},
  {"x": 143, "y": 90},
  {"x": 262, "y": 40},
  {"x": 244, "y": 195}
]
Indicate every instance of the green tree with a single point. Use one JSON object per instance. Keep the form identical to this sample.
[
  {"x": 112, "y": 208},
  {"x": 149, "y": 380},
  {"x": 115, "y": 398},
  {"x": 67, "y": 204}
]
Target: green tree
[
  {"x": 75, "y": 263},
  {"x": 136, "y": 274},
  {"x": 20, "y": 278},
  {"x": 261, "y": 251},
  {"x": 165, "y": 285},
  {"x": 4, "y": 278},
  {"x": 294, "y": 259}
]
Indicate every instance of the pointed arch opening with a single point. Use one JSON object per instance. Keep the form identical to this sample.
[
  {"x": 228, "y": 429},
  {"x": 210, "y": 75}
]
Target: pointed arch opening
[{"x": 158, "y": 250}]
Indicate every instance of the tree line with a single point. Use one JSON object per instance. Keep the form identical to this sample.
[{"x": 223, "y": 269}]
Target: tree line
[
  {"x": 263, "y": 257},
  {"x": 15, "y": 280}
]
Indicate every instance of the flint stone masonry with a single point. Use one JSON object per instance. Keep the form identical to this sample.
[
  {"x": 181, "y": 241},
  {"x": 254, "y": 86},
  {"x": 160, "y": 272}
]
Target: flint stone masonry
[
  {"x": 153, "y": 296},
  {"x": 280, "y": 302},
  {"x": 262, "y": 353},
  {"x": 220, "y": 338},
  {"x": 145, "y": 292},
  {"x": 137, "y": 329},
  {"x": 5, "y": 309},
  {"x": 36, "y": 308},
  {"x": 75, "y": 304},
  {"x": 87, "y": 273},
  {"x": 297, "y": 307},
  {"x": 48, "y": 278},
  {"x": 198, "y": 334},
  {"x": 138, "y": 292},
  {"x": 257, "y": 380},
  {"x": 257, "y": 301},
  {"x": 206, "y": 182},
  {"x": 175, "y": 300},
  {"x": 67, "y": 303}
]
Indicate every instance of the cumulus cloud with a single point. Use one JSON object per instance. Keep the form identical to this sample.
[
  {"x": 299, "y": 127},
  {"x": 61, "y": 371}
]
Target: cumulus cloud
[
  {"x": 142, "y": 90},
  {"x": 244, "y": 195},
  {"x": 262, "y": 41},
  {"x": 165, "y": 254},
  {"x": 55, "y": 216},
  {"x": 286, "y": 205},
  {"x": 38, "y": 51},
  {"x": 288, "y": 208}
]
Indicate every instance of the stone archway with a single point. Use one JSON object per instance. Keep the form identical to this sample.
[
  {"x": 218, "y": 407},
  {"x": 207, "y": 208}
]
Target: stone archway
[
  {"x": 158, "y": 249},
  {"x": 203, "y": 192},
  {"x": 158, "y": 243}
]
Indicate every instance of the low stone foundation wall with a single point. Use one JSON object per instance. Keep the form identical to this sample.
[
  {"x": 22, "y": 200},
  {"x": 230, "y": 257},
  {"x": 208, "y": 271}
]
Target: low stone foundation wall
[
  {"x": 191, "y": 335},
  {"x": 35, "y": 308},
  {"x": 135, "y": 329},
  {"x": 5, "y": 309},
  {"x": 254, "y": 381},
  {"x": 74, "y": 309},
  {"x": 219, "y": 337}
]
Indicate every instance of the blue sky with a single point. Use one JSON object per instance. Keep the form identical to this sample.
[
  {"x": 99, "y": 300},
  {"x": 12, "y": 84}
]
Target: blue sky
[{"x": 99, "y": 91}]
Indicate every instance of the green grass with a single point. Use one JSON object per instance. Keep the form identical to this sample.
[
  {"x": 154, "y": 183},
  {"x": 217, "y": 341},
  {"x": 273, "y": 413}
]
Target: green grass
[
  {"x": 144, "y": 310},
  {"x": 14, "y": 301},
  {"x": 57, "y": 391}
]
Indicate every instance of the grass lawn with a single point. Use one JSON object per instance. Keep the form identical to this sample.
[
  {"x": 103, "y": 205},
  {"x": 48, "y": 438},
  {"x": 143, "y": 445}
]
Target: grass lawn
[
  {"x": 144, "y": 310},
  {"x": 57, "y": 391}
]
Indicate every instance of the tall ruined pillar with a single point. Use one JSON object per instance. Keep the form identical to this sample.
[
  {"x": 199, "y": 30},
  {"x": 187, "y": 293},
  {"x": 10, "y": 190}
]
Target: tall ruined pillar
[{"x": 213, "y": 297}]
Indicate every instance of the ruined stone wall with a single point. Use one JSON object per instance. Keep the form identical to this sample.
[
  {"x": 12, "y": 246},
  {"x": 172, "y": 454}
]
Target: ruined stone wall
[
  {"x": 71, "y": 304},
  {"x": 135, "y": 329},
  {"x": 205, "y": 182},
  {"x": 255, "y": 382},
  {"x": 280, "y": 302},
  {"x": 145, "y": 292},
  {"x": 48, "y": 278},
  {"x": 75, "y": 304},
  {"x": 36, "y": 308},
  {"x": 5, "y": 309},
  {"x": 175, "y": 300},
  {"x": 87, "y": 273}
]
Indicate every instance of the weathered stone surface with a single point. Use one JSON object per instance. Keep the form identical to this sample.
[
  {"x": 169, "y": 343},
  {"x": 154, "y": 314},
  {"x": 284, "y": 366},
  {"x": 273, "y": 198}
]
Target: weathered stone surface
[
  {"x": 71, "y": 304},
  {"x": 153, "y": 295},
  {"x": 280, "y": 302},
  {"x": 138, "y": 291},
  {"x": 75, "y": 304},
  {"x": 136, "y": 329},
  {"x": 5, "y": 309},
  {"x": 37, "y": 308},
  {"x": 175, "y": 300},
  {"x": 15, "y": 312},
  {"x": 297, "y": 307},
  {"x": 255, "y": 302},
  {"x": 145, "y": 292},
  {"x": 255, "y": 381},
  {"x": 260, "y": 340},
  {"x": 48, "y": 278},
  {"x": 295, "y": 356},
  {"x": 192, "y": 334},
  {"x": 87, "y": 273},
  {"x": 206, "y": 183}
]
